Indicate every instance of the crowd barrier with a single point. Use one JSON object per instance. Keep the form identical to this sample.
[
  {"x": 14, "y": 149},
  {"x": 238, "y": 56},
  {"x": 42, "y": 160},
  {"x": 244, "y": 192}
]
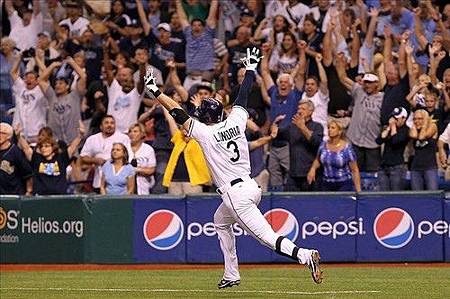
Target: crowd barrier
[{"x": 345, "y": 227}]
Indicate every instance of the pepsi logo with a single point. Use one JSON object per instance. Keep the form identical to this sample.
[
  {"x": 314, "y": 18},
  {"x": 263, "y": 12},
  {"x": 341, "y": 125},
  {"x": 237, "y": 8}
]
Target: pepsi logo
[
  {"x": 283, "y": 222},
  {"x": 163, "y": 229},
  {"x": 393, "y": 228}
]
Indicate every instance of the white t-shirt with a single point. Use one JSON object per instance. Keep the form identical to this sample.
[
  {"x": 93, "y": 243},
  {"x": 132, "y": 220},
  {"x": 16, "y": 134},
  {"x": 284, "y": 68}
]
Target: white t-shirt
[
  {"x": 445, "y": 136},
  {"x": 25, "y": 36},
  {"x": 145, "y": 157},
  {"x": 297, "y": 13},
  {"x": 78, "y": 27},
  {"x": 31, "y": 109},
  {"x": 97, "y": 146},
  {"x": 320, "y": 113},
  {"x": 225, "y": 146},
  {"x": 123, "y": 106}
]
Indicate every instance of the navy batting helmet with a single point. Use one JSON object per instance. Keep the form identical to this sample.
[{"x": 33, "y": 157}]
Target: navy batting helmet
[{"x": 210, "y": 111}]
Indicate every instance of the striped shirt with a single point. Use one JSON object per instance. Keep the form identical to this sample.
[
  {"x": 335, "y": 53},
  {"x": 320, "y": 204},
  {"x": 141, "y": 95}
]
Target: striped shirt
[
  {"x": 336, "y": 164},
  {"x": 199, "y": 50}
]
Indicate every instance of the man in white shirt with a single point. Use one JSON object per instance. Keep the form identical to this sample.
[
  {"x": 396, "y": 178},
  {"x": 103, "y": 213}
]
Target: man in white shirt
[
  {"x": 124, "y": 97},
  {"x": 317, "y": 92},
  {"x": 97, "y": 148},
  {"x": 77, "y": 24},
  {"x": 24, "y": 30},
  {"x": 31, "y": 105}
]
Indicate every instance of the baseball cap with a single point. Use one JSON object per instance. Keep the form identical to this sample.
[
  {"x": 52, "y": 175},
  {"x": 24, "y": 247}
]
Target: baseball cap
[
  {"x": 44, "y": 33},
  {"x": 6, "y": 128},
  {"x": 369, "y": 77},
  {"x": 399, "y": 112},
  {"x": 204, "y": 85},
  {"x": 164, "y": 26},
  {"x": 247, "y": 13}
]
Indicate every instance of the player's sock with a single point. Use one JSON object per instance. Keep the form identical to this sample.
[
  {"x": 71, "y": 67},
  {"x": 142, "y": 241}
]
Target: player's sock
[{"x": 286, "y": 247}]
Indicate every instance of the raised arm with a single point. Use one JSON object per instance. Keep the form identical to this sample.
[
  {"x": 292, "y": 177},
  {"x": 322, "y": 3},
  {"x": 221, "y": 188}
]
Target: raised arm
[
  {"x": 327, "y": 50},
  {"x": 372, "y": 26},
  {"x": 176, "y": 82},
  {"x": 36, "y": 7},
  {"x": 402, "y": 67},
  {"x": 107, "y": 65},
  {"x": 23, "y": 143},
  {"x": 15, "y": 67},
  {"x": 171, "y": 105},
  {"x": 322, "y": 75},
  {"x": 418, "y": 29},
  {"x": 265, "y": 71},
  {"x": 43, "y": 79},
  {"x": 300, "y": 68},
  {"x": 142, "y": 16},
  {"x": 9, "y": 7},
  {"x": 342, "y": 74},
  {"x": 76, "y": 142},
  {"x": 140, "y": 85},
  {"x": 182, "y": 14},
  {"x": 211, "y": 21},
  {"x": 356, "y": 45},
  {"x": 81, "y": 84},
  {"x": 387, "y": 52},
  {"x": 251, "y": 63}
]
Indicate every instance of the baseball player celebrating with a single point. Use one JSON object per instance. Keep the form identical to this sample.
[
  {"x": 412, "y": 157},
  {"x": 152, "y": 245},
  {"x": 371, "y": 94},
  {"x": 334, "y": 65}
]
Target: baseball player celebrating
[{"x": 226, "y": 151}]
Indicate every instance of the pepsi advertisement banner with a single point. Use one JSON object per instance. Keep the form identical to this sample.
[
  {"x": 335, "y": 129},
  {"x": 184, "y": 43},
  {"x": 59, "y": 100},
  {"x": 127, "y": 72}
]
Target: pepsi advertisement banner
[
  {"x": 321, "y": 221},
  {"x": 403, "y": 227},
  {"x": 445, "y": 227},
  {"x": 158, "y": 230},
  {"x": 202, "y": 241}
]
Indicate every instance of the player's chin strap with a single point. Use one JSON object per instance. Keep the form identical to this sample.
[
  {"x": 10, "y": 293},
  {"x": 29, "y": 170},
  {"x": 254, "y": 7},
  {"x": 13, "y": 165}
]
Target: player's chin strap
[{"x": 294, "y": 254}]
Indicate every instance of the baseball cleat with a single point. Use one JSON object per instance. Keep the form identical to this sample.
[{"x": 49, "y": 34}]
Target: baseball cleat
[
  {"x": 228, "y": 283},
  {"x": 313, "y": 265}
]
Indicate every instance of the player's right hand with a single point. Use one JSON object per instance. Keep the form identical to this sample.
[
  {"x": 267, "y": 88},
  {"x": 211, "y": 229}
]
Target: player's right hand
[
  {"x": 150, "y": 80},
  {"x": 252, "y": 59}
]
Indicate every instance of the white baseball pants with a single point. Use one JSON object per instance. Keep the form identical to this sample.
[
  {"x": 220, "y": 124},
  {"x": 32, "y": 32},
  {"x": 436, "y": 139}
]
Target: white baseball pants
[{"x": 240, "y": 205}]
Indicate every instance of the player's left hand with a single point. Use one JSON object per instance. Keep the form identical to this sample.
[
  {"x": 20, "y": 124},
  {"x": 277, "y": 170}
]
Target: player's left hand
[
  {"x": 252, "y": 59},
  {"x": 150, "y": 80}
]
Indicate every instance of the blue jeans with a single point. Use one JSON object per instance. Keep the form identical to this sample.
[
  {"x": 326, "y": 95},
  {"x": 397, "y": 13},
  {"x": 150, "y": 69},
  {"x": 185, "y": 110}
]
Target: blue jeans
[
  {"x": 424, "y": 179},
  {"x": 392, "y": 178}
]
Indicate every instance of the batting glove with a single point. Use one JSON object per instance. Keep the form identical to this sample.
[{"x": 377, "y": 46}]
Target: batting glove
[
  {"x": 251, "y": 61},
  {"x": 150, "y": 81}
]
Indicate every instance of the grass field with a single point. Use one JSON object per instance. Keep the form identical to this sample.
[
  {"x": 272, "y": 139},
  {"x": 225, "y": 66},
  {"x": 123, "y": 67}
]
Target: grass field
[{"x": 397, "y": 281}]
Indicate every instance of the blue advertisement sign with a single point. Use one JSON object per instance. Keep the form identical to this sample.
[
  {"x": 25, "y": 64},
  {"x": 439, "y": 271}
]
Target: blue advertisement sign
[
  {"x": 159, "y": 230},
  {"x": 325, "y": 222},
  {"x": 202, "y": 241},
  {"x": 403, "y": 227},
  {"x": 445, "y": 228}
]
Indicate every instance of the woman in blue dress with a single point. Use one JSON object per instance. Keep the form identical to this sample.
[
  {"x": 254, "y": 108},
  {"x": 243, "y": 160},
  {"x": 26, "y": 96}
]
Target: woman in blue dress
[
  {"x": 117, "y": 174},
  {"x": 338, "y": 160}
]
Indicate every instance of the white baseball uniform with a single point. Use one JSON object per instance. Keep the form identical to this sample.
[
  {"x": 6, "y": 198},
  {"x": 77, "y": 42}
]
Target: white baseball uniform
[{"x": 226, "y": 151}]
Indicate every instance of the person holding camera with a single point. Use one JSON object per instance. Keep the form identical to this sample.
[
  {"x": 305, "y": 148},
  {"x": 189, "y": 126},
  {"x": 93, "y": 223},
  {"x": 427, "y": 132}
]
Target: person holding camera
[
  {"x": 395, "y": 137},
  {"x": 143, "y": 159},
  {"x": 31, "y": 104}
]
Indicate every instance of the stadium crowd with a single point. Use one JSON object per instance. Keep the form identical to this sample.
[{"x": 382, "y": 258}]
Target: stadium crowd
[{"x": 344, "y": 88}]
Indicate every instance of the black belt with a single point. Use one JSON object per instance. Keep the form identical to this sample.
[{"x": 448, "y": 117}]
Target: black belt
[
  {"x": 232, "y": 183},
  {"x": 235, "y": 181}
]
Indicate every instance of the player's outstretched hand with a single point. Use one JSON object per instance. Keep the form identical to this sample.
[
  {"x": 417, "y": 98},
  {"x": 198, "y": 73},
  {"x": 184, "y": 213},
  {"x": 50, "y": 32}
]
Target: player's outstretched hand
[
  {"x": 150, "y": 81},
  {"x": 252, "y": 59}
]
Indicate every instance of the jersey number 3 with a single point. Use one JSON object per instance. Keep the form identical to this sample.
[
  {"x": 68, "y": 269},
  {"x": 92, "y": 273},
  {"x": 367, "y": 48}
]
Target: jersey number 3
[{"x": 234, "y": 149}]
